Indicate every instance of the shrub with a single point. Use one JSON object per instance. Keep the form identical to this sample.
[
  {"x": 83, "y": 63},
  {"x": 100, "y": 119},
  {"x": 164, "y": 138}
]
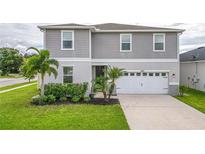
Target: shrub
[
  {"x": 55, "y": 89},
  {"x": 181, "y": 90},
  {"x": 51, "y": 99},
  {"x": 63, "y": 99},
  {"x": 69, "y": 90},
  {"x": 75, "y": 99},
  {"x": 39, "y": 100},
  {"x": 86, "y": 99}
]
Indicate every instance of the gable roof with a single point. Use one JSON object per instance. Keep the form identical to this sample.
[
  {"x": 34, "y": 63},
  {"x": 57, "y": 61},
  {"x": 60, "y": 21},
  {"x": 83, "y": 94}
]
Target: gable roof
[
  {"x": 193, "y": 55},
  {"x": 111, "y": 27},
  {"x": 115, "y": 26}
]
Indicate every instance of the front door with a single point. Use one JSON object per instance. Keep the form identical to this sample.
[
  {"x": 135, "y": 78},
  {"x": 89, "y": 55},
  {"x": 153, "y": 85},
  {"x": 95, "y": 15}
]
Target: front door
[{"x": 100, "y": 71}]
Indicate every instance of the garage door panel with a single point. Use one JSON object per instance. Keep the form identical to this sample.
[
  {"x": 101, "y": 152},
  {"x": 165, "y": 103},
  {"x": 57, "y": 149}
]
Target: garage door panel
[{"x": 143, "y": 84}]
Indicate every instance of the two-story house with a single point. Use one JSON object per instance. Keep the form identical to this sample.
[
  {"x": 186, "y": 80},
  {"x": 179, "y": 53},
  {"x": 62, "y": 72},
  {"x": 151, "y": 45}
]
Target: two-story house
[{"x": 149, "y": 55}]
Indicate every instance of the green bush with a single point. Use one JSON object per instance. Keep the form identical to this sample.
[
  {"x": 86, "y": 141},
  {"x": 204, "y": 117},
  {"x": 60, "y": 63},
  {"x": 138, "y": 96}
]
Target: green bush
[
  {"x": 56, "y": 89},
  {"x": 75, "y": 99},
  {"x": 51, "y": 99},
  {"x": 74, "y": 91},
  {"x": 86, "y": 99},
  {"x": 63, "y": 99},
  {"x": 39, "y": 100},
  {"x": 181, "y": 90}
]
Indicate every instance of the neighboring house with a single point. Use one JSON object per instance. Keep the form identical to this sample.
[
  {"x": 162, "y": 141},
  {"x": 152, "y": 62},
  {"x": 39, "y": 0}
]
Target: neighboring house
[
  {"x": 149, "y": 55},
  {"x": 193, "y": 69}
]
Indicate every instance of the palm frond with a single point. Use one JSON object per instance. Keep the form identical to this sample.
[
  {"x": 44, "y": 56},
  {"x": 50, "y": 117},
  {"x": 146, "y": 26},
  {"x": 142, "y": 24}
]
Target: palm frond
[
  {"x": 53, "y": 71},
  {"x": 53, "y": 62},
  {"x": 33, "y": 48}
]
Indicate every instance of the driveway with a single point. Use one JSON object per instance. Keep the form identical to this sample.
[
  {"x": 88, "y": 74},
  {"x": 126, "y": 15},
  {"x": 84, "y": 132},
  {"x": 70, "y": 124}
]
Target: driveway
[
  {"x": 11, "y": 81},
  {"x": 160, "y": 112}
]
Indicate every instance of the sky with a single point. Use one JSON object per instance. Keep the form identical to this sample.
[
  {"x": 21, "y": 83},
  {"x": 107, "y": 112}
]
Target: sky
[{"x": 24, "y": 35}]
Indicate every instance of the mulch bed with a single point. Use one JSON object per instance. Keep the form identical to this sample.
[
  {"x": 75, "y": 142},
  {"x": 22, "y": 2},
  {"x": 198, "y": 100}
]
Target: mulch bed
[{"x": 95, "y": 101}]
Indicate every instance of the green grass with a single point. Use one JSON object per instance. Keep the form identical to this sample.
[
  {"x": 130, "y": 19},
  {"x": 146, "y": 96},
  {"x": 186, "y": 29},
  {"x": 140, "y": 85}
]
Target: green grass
[
  {"x": 16, "y": 113},
  {"x": 194, "y": 98},
  {"x": 15, "y": 85}
]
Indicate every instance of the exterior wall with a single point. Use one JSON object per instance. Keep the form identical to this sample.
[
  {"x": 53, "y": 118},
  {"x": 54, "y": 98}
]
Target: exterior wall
[
  {"x": 81, "y": 72},
  {"x": 107, "y": 45},
  {"x": 172, "y": 67},
  {"x": 191, "y": 69},
  {"x": 52, "y": 42}
]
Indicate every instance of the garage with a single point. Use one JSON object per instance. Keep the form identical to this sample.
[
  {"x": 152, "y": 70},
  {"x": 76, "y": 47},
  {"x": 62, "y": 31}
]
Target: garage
[{"x": 142, "y": 83}]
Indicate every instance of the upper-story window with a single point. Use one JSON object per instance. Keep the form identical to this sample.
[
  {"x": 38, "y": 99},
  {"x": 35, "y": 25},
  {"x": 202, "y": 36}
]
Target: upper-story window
[
  {"x": 125, "y": 42},
  {"x": 67, "y": 40},
  {"x": 159, "y": 42}
]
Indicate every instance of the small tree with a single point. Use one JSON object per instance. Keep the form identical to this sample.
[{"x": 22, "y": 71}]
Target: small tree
[
  {"x": 42, "y": 64},
  {"x": 101, "y": 85},
  {"x": 113, "y": 74},
  {"x": 106, "y": 84}
]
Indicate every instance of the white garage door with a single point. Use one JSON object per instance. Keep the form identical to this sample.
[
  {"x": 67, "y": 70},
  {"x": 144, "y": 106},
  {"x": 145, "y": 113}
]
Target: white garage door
[{"x": 143, "y": 83}]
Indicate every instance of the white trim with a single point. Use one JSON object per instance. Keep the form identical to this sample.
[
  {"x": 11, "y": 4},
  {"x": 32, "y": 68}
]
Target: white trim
[
  {"x": 44, "y": 39},
  {"x": 164, "y": 42},
  {"x": 73, "y": 59},
  {"x": 116, "y": 60},
  {"x": 90, "y": 44},
  {"x": 66, "y": 27},
  {"x": 150, "y": 30},
  {"x": 199, "y": 61},
  {"x": 67, "y": 75},
  {"x": 173, "y": 83},
  {"x": 72, "y": 31},
  {"x": 134, "y": 60},
  {"x": 126, "y": 42}
]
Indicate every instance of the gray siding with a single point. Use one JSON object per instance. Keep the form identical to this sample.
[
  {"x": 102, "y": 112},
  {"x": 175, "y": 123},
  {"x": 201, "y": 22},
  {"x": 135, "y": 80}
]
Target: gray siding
[
  {"x": 81, "y": 44},
  {"x": 107, "y": 45}
]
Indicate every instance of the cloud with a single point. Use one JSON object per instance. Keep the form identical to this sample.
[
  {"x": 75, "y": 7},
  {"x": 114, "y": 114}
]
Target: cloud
[{"x": 20, "y": 36}]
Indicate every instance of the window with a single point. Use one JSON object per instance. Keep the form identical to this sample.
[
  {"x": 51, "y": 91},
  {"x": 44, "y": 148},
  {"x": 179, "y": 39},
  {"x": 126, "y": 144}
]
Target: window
[
  {"x": 67, "y": 40},
  {"x": 159, "y": 42},
  {"x": 67, "y": 74},
  {"x": 164, "y": 74},
  {"x": 144, "y": 74},
  {"x": 138, "y": 74},
  {"x": 125, "y": 42},
  {"x": 132, "y": 74},
  {"x": 156, "y": 74},
  {"x": 150, "y": 74},
  {"x": 125, "y": 74}
]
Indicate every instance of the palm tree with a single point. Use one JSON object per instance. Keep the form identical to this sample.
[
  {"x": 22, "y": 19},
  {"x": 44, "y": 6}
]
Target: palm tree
[
  {"x": 113, "y": 74},
  {"x": 42, "y": 64}
]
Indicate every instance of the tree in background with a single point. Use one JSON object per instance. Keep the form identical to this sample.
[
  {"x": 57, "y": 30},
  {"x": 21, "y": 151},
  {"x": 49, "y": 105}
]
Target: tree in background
[
  {"x": 42, "y": 64},
  {"x": 10, "y": 61}
]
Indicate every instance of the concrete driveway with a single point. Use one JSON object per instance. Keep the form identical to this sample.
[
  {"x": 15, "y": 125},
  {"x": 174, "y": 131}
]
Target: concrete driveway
[{"x": 160, "y": 112}]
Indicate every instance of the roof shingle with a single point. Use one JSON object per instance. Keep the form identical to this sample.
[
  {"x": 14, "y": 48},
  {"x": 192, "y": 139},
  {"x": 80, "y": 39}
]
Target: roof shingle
[{"x": 193, "y": 55}]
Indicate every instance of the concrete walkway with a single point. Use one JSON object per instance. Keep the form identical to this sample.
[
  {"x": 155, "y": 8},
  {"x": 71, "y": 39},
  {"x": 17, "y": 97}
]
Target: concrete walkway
[
  {"x": 160, "y": 112},
  {"x": 11, "y": 81},
  {"x": 4, "y": 91}
]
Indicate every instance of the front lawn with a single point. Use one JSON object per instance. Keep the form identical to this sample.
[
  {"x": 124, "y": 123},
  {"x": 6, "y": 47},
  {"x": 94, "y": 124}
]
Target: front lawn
[
  {"x": 16, "y": 112},
  {"x": 194, "y": 98}
]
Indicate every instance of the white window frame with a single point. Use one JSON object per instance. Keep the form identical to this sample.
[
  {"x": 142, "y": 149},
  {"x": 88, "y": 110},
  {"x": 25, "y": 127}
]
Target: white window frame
[
  {"x": 164, "y": 41},
  {"x": 121, "y": 35},
  {"x": 72, "y": 31},
  {"x": 67, "y": 75}
]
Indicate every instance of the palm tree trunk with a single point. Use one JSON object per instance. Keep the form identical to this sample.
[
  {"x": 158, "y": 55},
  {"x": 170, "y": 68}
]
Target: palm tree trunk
[{"x": 42, "y": 84}]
